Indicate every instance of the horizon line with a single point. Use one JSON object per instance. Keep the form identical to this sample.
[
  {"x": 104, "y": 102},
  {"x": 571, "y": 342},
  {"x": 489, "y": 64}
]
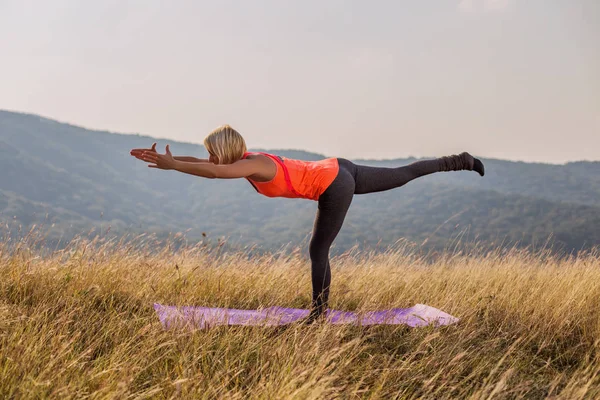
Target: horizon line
[{"x": 281, "y": 149}]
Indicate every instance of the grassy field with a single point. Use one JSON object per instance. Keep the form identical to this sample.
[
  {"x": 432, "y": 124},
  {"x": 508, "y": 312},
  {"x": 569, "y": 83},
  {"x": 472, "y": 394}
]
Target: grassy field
[{"x": 79, "y": 323}]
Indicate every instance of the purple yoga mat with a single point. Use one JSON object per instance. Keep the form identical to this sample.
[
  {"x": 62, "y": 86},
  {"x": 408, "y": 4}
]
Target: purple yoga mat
[{"x": 205, "y": 317}]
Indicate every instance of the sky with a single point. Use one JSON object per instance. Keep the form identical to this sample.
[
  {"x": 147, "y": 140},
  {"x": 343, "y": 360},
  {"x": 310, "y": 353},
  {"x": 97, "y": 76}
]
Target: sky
[{"x": 509, "y": 79}]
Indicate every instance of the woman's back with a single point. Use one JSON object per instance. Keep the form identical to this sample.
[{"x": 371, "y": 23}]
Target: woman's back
[{"x": 308, "y": 179}]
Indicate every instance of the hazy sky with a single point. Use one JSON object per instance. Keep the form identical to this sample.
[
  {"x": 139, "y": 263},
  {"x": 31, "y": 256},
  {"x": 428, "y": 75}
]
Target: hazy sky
[{"x": 512, "y": 79}]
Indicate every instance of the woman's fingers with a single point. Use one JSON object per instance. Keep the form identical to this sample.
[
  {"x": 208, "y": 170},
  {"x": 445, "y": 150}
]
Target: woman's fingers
[
  {"x": 142, "y": 159},
  {"x": 151, "y": 160},
  {"x": 151, "y": 157},
  {"x": 138, "y": 156},
  {"x": 139, "y": 152},
  {"x": 152, "y": 149}
]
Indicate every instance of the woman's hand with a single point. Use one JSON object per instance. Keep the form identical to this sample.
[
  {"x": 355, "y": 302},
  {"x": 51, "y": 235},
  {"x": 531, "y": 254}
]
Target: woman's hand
[
  {"x": 137, "y": 153},
  {"x": 160, "y": 161}
]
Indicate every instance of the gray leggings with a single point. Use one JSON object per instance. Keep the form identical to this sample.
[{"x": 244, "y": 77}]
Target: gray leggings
[{"x": 334, "y": 203}]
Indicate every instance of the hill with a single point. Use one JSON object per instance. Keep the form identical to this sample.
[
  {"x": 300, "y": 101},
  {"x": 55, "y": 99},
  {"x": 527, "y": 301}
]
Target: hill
[{"x": 79, "y": 179}]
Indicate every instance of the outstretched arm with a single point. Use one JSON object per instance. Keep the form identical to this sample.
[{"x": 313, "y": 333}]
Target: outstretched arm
[
  {"x": 239, "y": 169},
  {"x": 190, "y": 159}
]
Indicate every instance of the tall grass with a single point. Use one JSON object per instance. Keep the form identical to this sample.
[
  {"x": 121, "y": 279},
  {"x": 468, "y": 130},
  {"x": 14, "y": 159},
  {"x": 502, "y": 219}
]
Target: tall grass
[{"x": 79, "y": 323}]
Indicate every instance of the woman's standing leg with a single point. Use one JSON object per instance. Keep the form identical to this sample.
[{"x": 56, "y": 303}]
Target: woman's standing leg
[{"x": 333, "y": 206}]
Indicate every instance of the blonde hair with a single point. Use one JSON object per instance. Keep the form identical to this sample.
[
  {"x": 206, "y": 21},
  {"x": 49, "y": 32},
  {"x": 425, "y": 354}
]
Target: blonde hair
[{"x": 225, "y": 143}]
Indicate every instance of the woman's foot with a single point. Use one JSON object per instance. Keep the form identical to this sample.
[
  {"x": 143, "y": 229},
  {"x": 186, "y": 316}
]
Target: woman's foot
[
  {"x": 461, "y": 162},
  {"x": 478, "y": 166}
]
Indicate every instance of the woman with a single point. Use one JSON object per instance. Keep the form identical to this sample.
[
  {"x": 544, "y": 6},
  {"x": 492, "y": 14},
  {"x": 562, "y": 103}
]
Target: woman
[{"x": 332, "y": 182}]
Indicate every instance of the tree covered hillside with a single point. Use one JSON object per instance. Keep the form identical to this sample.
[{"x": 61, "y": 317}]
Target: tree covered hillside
[{"x": 73, "y": 179}]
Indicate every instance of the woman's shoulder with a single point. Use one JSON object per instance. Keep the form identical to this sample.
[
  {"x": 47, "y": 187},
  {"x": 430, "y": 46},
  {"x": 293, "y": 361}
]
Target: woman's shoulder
[
  {"x": 262, "y": 156},
  {"x": 268, "y": 168},
  {"x": 254, "y": 154}
]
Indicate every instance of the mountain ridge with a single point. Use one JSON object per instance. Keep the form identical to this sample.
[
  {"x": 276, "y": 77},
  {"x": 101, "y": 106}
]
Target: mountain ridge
[
  {"x": 87, "y": 179},
  {"x": 289, "y": 150}
]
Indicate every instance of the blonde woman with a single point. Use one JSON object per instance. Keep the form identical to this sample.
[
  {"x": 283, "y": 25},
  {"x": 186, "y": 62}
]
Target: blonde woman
[{"x": 331, "y": 182}]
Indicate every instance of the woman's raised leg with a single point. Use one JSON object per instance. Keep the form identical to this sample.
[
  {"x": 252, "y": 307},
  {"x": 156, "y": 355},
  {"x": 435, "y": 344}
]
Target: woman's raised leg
[{"x": 376, "y": 179}]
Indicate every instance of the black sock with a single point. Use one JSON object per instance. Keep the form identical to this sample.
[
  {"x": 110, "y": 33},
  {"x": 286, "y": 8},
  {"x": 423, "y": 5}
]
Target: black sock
[
  {"x": 461, "y": 162},
  {"x": 478, "y": 166}
]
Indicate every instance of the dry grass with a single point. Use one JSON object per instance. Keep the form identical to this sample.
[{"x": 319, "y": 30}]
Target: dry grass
[{"x": 79, "y": 323}]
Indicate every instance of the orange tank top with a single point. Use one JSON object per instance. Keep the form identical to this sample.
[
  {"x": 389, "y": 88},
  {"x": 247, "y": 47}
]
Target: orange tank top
[{"x": 297, "y": 178}]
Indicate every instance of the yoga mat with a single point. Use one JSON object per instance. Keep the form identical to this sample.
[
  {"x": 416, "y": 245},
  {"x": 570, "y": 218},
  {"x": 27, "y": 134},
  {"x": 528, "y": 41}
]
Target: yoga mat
[{"x": 205, "y": 317}]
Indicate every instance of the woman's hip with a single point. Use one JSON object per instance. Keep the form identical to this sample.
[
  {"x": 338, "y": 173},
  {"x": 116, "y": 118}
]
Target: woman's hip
[{"x": 343, "y": 185}]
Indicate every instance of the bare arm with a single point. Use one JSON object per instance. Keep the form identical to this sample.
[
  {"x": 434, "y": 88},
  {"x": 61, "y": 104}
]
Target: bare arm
[
  {"x": 190, "y": 159},
  {"x": 239, "y": 169}
]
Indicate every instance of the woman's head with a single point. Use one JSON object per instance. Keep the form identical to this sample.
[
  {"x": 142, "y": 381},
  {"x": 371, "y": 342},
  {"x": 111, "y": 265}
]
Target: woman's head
[{"x": 225, "y": 145}]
